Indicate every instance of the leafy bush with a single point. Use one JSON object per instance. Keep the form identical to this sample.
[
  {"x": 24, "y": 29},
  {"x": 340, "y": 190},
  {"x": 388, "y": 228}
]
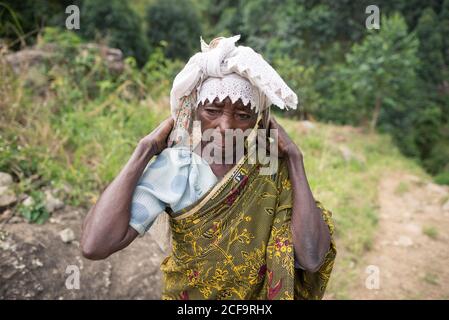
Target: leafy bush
[
  {"x": 442, "y": 178},
  {"x": 84, "y": 122},
  {"x": 380, "y": 67},
  {"x": 21, "y": 21},
  {"x": 118, "y": 23},
  {"x": 302, "y": 81},
  {"x": 177, "y": 24},
  {"x": 36, "y": 211}
]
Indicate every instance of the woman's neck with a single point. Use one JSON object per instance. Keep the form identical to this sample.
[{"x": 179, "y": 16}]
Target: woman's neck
[{"x": 220, "y": 170}]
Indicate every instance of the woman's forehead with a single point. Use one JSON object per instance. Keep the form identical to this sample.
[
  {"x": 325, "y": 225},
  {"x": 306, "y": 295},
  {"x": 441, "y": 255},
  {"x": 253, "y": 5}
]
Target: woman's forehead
[{"x": 227, "y": 102}]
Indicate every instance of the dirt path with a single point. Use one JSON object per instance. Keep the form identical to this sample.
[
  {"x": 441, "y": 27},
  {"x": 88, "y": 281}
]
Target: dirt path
[{"x": 410, "y": 254}]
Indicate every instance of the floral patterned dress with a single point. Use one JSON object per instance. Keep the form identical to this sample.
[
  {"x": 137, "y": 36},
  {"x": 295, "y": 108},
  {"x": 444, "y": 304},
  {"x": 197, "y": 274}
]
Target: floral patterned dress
[{"x": 236, "y": 243}]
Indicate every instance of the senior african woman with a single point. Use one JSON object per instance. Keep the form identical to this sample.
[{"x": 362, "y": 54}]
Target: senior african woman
[{"x": 237, "y": 231}]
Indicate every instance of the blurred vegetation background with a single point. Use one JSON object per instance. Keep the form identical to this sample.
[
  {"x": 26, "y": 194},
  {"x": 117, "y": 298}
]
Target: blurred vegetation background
[
  {"x": 394, "y": 79},
  {"x": 72, "y": 107}
]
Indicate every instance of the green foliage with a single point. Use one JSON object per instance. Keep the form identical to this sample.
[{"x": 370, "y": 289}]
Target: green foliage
[
  {"x": 159, "y": 72},
  {"x": 16, "y": 159},
  {"x": 20, "y": 21},
  {"x": 430, "y": 47},
  {"x": 428, "y": 123},
  {"x": 443, "y": 178},
  {"x": 64, "y": 39},
  {"x": 285, "y": 29},
  {"x": 438, "y": 159},
  {"x": 177, "y": 24},
  {"x": 80, "y": 125},
  {"x": 301, "y": 29},
  {"x": 301, "y": 79},
  {"x": 444, "y": 30},
  {"x": 118, "y": 23},
  {"x": 376, "y": 71},
  {"x": 431, "y": 232},
  {"x": 433, "y": 138},
  {"x": 35, "y": 212}
]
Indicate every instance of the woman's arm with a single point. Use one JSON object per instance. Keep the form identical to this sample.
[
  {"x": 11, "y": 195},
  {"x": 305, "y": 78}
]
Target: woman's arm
[
  {"x": 311, "y": 236},
  {"x": 106, "y": 227}
]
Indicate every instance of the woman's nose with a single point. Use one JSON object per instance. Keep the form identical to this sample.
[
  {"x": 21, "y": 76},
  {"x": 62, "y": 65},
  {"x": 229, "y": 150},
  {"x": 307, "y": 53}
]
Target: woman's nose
[{"x": 225, "y": 123}]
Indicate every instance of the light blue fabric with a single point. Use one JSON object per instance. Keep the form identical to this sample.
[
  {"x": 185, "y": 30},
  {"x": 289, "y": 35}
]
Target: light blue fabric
[{"x": 176, "y": 178}]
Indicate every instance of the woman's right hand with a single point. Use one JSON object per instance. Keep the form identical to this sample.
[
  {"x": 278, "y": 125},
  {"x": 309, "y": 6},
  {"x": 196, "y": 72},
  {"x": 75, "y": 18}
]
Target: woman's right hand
[{"x": 156, "y": 141}]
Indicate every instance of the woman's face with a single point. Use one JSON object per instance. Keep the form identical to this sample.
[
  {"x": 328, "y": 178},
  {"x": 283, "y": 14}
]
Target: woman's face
[
  {"x": 225, "y": 115},
  {"x": 222, "y": 115}
]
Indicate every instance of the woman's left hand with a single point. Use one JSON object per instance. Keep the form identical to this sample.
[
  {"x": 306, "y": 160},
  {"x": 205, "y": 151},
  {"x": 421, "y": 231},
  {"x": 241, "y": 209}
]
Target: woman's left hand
[{"x": 286, "y": 146}]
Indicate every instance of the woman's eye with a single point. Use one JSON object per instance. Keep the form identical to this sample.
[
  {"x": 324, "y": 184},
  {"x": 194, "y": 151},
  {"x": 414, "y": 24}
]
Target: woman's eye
[
  {"x": 213, "y": 111},
  {"x": 243, "y": 116}
]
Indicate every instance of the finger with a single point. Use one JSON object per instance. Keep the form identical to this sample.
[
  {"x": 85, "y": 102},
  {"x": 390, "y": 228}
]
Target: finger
[
  {"x": 165, "y": 125},
  {"x": 168, "y": 124}
]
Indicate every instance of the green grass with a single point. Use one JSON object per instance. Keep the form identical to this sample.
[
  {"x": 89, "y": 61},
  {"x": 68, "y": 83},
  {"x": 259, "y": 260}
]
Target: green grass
[
  {"x": 36, "y": 211},
  {"x": 402, "y": 188},
  {"x": 444, "y": 200},
  {"x": 431, "y": 232},
  {"x": 431, "y": 278}
]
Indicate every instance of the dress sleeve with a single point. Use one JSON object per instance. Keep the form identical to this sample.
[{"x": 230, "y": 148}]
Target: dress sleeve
[{"x": 312, "y": 285}]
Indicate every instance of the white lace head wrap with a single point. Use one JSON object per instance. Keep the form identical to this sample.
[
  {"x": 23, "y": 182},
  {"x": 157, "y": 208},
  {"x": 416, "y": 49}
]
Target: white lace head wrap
[
  {"x": 237, "y": 66},
  {"x": 231, "y": 85}
]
